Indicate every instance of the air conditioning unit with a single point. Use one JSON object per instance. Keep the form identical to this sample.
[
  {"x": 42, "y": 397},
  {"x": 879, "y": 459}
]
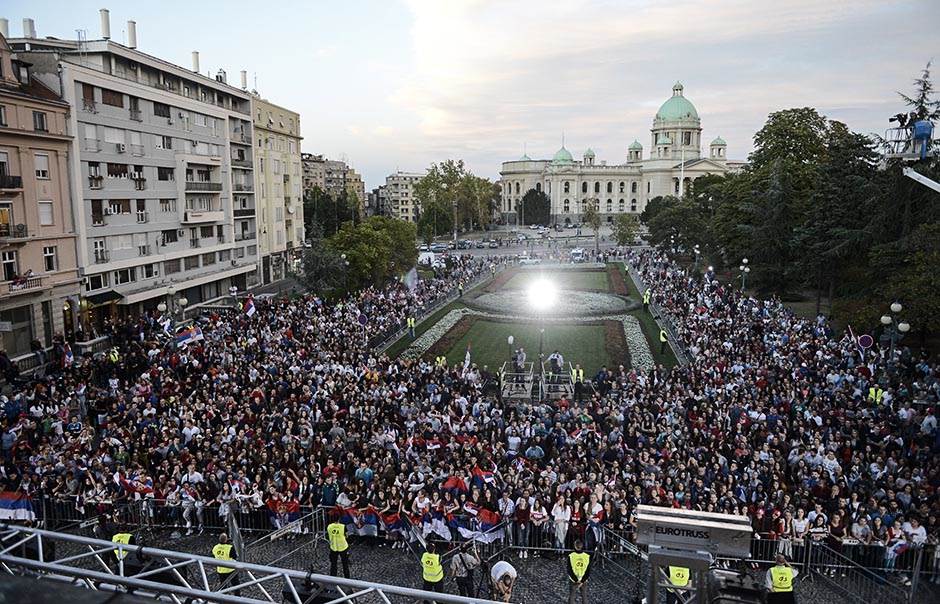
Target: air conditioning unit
[
  {"x": 121, "y": 147},
  {"x": 234, "y": 262},
  {"x": 180, "y": 233},
  {"x": 169, "y": 121}
]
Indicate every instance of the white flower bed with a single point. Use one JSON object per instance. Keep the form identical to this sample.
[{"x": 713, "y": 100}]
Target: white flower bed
[
  {"x": 641, "y": 358},
  {"x": 568, "y": 303}
]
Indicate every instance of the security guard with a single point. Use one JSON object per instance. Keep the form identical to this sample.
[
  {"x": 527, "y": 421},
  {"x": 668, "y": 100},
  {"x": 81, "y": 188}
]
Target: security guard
[
  {"x": 223, "y": 550},
  {"x": 579, "y": 566},
  {"x": 779, "y": 582},
  {"x": 875, "y": 394},
  {"x": 646, "y": 298},
  {"x": 440, "y": 361},
  {"x": 460, "y": 289},
  {"x": 663, "y": 340},
  {"x": 114, "y": 356},
  {"x": 411, "y": 326},
  {"x": 431, "y": 570},
  {"x": 125, "y": 539},
  {"x": 678, "y": 576},
  {"x": 336, "y": 534},
  {"x": 577, "y": 378}
]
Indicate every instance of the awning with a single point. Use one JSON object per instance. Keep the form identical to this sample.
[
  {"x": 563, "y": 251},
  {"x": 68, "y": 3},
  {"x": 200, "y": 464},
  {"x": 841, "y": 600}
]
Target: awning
[{"x": 105, "y": 297}]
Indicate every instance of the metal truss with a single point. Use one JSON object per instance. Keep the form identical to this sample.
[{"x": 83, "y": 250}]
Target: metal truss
[{"x": 180, "y": 577}]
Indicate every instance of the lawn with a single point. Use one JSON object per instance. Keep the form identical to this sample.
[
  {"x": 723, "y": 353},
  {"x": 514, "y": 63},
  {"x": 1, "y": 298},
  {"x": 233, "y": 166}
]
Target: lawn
[
  {"x": 568, "y": 279},
  {"x": 649, "y": 325},
  {"x": 583, "y": 344}
]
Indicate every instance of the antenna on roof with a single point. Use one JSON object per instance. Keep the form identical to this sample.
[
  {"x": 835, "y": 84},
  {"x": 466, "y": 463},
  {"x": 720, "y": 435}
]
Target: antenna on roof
[{"x": 562, "y": 138}]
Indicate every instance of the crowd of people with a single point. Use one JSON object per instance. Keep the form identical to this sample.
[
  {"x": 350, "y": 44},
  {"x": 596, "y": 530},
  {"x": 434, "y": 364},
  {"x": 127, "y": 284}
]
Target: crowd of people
[{"x": 289, "y": 407}]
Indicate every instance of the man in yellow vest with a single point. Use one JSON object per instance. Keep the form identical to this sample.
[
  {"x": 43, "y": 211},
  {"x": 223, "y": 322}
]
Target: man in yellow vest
[
  {"x": 647, "y": 296},
  {"x": 124, "y": 539},
  {"x": 577, "y": 379},
  {"x": 875, "y": 394},
  {"x": 678, "y": 576},
  {"x": 440, "y": 361},
  {"x": 223, "y": 550},
  {"x": 663, "y": 340},
  {"x": 339, "y": 548},
  {"x": 411, "y": 326},
  {"x": 779, "y": 581},
  {"x": 579, "y": 567},
  {"x": 431, "y": 569}
]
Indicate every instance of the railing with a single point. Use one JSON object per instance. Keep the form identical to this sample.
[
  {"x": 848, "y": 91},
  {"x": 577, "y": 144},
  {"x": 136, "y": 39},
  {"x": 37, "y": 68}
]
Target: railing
[
  {"x": 135, "y": 115},
  {"x": 89, "y": 105},
  {"x": 13, "y": 231},
  {"x": 203, "y": 186},
  {"x": 244, "y": 212},
  {"x": 95, "y": 181},
  {"x": 245, "y": 188},
  {"x": 24, "y": 284},
  {"x": 102, "y": 256},
  {"x": 10, "y": 182},
  {"x": 241, "y": 163},
  {"x": 95, "y": 345},
  {"x": 857, "y": 583},
  {"x": 661, "y": 318}
]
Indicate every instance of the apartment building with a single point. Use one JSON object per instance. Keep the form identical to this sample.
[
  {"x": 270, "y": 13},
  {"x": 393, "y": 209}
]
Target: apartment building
[
  {"x": 161, "y": 173},
  {"x": 278, "y": 187},
  {"x": 377, "y": 204},
  {"x": 314, "y": 171},
  {"x": 400, "y": 195},
  {"x": 39, "y": 284},
  {"x": 333, "y": 177}
]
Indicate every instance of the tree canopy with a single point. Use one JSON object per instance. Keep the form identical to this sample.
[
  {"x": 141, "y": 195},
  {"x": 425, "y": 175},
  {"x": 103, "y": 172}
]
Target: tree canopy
[
  {"x": 449, "y": 188},
  {"x": 535, "y": 208}
]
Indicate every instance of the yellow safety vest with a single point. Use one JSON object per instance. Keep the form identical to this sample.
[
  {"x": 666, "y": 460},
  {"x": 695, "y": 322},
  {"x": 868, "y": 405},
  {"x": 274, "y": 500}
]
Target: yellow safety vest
[
  {"x": 124, "y": 538},
  {"x": 679, "y": 576},
  {"x": 440, "y": 361},
  {"x": 411, "y": 321},
  {"x": 337, "y": 535},
  {"x": 114, "y": 356},
  {"x": 431, "y": 565},
  {"x": 662, "y": 336},
  {"x": 579, "y": 564},
  {"x": 577, "y": 375},
  {"x": 646, "y": 296},
  {"x": 781, "y": 578},
  {"x": 223, "y": 551},
  {"x": 875, "y": 394}
]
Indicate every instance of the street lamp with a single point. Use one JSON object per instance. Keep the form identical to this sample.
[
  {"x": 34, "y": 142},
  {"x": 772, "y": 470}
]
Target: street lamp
[
  {"x": 745, "y": 269},
  {"x": 894, "y": 328},
  {"x": 542, "y": 294},
  {"x": 698, "y": 252}
]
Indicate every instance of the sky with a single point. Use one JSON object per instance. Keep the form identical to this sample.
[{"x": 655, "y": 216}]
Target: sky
[{"x": 399, "y": 84}]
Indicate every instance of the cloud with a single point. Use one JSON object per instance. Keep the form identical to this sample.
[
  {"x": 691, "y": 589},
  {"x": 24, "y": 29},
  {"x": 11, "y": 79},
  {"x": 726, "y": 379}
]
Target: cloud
[{"x": 325, "y": 52}]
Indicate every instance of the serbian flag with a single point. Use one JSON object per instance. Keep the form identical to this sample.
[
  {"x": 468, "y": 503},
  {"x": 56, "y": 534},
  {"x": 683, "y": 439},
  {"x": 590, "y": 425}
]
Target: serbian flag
[
  {"x": 471, "y": 508},
  {"x": 482, "y": 477},
  {"x": 188, "y": 335},
  {"x": 485, "y": 531},
  {"x": 455, "y": 483},
  {"x": 365, "y": 523},
  {"x": 16, "y": 506},
  {"x": 69, "y": 358},
  {"x": 434, "y": 522},
  {"x": 249, "y": 306},
  {"x": 394, "y": 523},
  {"x": 134, "y": 485}
]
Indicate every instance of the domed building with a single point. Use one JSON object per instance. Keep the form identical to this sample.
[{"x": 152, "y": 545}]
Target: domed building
[{"x": 624, "y": 186}]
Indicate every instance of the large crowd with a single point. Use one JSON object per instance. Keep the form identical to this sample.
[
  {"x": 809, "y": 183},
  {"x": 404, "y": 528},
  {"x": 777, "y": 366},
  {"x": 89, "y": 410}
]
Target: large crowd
[{"x": 776, "y": 418}]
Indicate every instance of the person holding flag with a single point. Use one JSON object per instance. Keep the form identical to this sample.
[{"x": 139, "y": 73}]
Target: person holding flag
[{"x": 249, "y": 306}]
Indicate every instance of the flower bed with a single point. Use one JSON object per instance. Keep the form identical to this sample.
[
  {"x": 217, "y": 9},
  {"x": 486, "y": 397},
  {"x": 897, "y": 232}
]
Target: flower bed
[{"x": 617, "y": 283}]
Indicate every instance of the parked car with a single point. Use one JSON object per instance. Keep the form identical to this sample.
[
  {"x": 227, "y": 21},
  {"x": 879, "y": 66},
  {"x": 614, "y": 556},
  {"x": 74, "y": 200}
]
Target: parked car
[
  {"x": 451, "y": 245},
  {"x": 438, "y": 247},
  {"x": 493, "y": 244},
  {"x": 464, "y": 244},
  {"x": 480, "y": 244},
  {"x": 526, "y": 259},
  {"x": 424, "y": 247},
  {"x": 578, "y": 255}
]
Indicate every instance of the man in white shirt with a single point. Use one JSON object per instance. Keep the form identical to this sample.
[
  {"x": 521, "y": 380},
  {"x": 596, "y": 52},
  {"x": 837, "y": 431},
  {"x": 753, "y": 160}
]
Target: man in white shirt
[{"x": 503, "y": 577}]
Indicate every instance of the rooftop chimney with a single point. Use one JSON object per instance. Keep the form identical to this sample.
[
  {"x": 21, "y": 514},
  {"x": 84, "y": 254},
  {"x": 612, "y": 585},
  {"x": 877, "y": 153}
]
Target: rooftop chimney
[
  {"x": 196, "y": 61},
  {"x": 132, "y": 34},
  {"x": 105, "y": 23},
  {"x": 5, "y": 27},
  {"x": 244, "y": 80},
  {"x": 29, "y": 28}
]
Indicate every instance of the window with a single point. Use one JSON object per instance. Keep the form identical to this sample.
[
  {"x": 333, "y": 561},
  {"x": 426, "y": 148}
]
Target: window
[
  {"x": 206, "y": 232},
  {"x": 97, "y": 212},
  {"x": 633, "y": 187},
  {"x": 225, "y": 255},
  {"x": 191, "y": 262},
  {"x": 567, "y": 187},
  {"x": 8, "y": 262},
  {"x": 597, "y": 187},
  {"x": 166, "y": 174},
  {"x": 45, "y": 213},
  {"x": 610, "y": 187},
  {"x": 567, "y": 206},
  {"x": 50, "y": 259},
  {"x": 686, "y": 138},
  {"x": 620, "y": 206},
  {"x": 161, "y": 110},
  {"x": 167, "y": 205},
  {"x": 171, "y": 266},
  {"x": 119, "y": 206},
  {"x": 126, "y": 275},
  {"x": 94, "y": 170},
  {"x": 208, "y": 259},
  {"x": 169, "y": 236},
  {"x": 648, "y": 185},
  {"x": 117, "y": 171},
  {"x": 3, "y": 115},
  {"x": 42, "y": 166},
  {"x": 150, "y": 271},
  {"x": 39, "y": 122},
  {"x": 97, "y": 281},
  {"x": 113, "y": 98},
  {"x": 200, "y": 119},
  {"x": 622, "y": 186},
  {"x": 517, "y": 188},
  {"x": 163, "y": 142},
  {"x": 610, "y": 206},
  {"x": 633, "y": 205},
  {"x": 113, "y": 135}
]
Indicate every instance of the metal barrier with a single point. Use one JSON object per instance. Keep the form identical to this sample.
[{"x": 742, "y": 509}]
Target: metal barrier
[
  {"x": 661, "y": 318},
  {"x": 855, "y": 582}
]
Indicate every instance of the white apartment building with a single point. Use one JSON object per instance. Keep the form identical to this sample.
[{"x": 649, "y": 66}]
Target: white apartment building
[
  {"x": 399, "y": 191},
  {"x": 161, "y": 175}
]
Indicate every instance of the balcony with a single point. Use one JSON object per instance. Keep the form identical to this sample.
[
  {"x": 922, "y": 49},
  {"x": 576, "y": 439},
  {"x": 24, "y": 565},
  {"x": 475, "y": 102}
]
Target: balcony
[
  {"x": 102, "y": 256},
  {"x": 24, "y": 284},
  {"x": 143, "y": 216},
  {"x": 140, "y": 183},
  {"x": 96, "y": 181},
  {"x": 241, "y": 163},
  {"x": 212, "y": 187},
  {"x": 137, "y": 150},
  {"x": 10, "y": 232},
  {"x": 143, "y": 250},
  {"x": 194, "y": 243},
  {"x": 245, "y": 236},
  {"x": 286, "y": 178},
  {"x": 244, "y": 188},
  {"x": 241, "y": 137},
  {"x": 245, "y": 213},
  {"x": 11, "y": 184},
  {"x": 135, "y": 115},
  {"x": 197, "y": 216},
  {"x": 89, "y": 106}
]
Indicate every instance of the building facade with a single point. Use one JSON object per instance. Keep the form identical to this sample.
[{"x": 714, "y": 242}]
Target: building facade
[
  {"x": 278, "y": 187},
  {"x": 333, "y": 177},
  {"x": 162, "y": 175},
  {"x": 39, "y": 285},
  {"x": 674, "y": 162},
  {"x": 400, "y": 199}
]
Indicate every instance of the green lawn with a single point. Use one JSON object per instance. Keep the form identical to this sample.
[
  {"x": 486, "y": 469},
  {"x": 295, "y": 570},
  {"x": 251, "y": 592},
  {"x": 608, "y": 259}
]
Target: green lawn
[
  {"x": 488, "y": 346},
  {"x": 569, "y": 279},
  {"x": 404, "y": 342},
  {"x": 649, "y": 325}
]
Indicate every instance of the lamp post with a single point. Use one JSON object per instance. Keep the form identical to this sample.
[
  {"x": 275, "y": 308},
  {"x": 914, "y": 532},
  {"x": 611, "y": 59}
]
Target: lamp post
[
  {"x": 542, "y": 295},
  {"x": 510, "y": 340},
  {"x": 345, "y": 272},
  {"x": 745, "y": 269},
  {"x": 894, "y": 327},
  {"x": 698, "y": 251}
]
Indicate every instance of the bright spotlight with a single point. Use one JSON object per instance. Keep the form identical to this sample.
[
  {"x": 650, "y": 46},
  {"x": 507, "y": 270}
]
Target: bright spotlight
[{"x": 542, "y": 294}]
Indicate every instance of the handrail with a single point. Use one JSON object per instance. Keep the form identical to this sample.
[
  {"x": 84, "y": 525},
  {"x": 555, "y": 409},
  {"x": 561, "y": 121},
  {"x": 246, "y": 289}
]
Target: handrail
[{"x": 661, "y": 318}]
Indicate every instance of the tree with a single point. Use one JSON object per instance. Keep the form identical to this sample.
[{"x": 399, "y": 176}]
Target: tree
[
  {"x": 377, "y": 249},
  {"x": 923, "y": 106},
  {"x": 655, "y": 206},
  {"x": 329, "y": 212},
  {"x": 434, "y": 220},
  {"x": 322, "y": 269},
  {"x": 626, "y": 227},
  {"x": 591, "y": 216},
  {"x": 535, "y": 208}
]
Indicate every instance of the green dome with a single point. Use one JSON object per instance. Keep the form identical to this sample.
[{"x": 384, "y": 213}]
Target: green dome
[
  {"x": 664, "y": 139},
  {"x": 719, "y": 142},
  {"x": 563, "y": 156},
  {"x": 677, "y": 107},
  {"x": 589, "y": 153},
  {"x": 635, "y": 146}
]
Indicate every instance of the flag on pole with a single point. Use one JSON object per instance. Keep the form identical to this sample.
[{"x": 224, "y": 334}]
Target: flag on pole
[
  {"x": 250, "y": 306},
  {"x": 466, "y": 359},
  {"x": 411, "y": 279},
  {"x": 187, "y": 335}
]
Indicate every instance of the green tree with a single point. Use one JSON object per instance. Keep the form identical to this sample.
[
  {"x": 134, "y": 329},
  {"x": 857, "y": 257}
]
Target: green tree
[
  {"x": 328, "y": 211},
  {"x": 377, "y": 249},
  {"x": 591, "y": 217},
  {"x": 321, "y": 269},
  {"x": 654, "y": 206},
  {"x": 626, "y": 227},
  {"x": 922, "y": 104},
  {"x": 535, "y": 208},
  {"x": 434, "y": 220}
]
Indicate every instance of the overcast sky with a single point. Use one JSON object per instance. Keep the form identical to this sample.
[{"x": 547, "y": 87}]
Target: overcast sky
[{"x": 398, "y": 84}]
